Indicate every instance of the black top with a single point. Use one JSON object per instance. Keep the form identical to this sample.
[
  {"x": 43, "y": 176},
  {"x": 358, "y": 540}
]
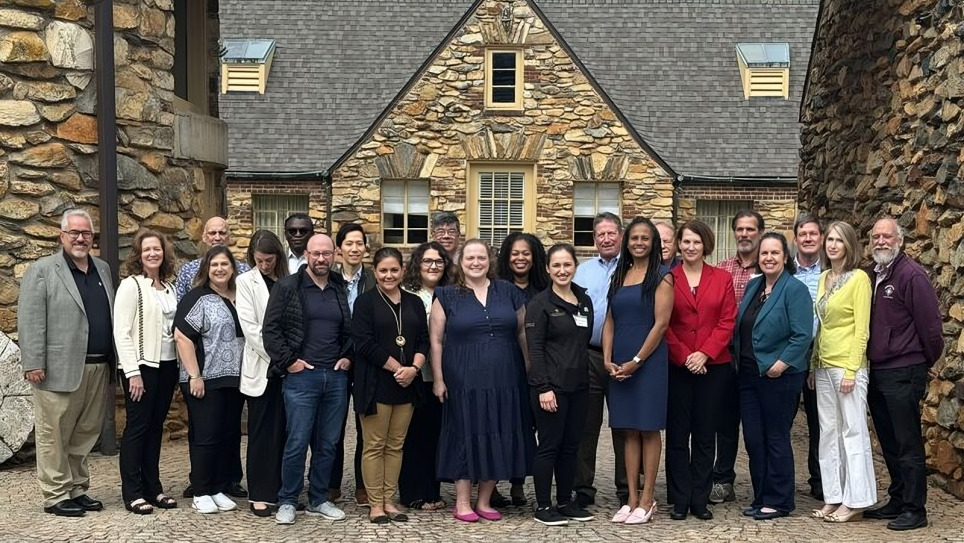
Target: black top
[
  {"x": 268, "y": 282},
  {"x": 374, "y": 330},
  {"x": 558, "y": 334},
  {"x": 100, "y": 334},
  {"x": 747, "y": 362},
  {"x": 211, "y": 322},
  {"x": 324, "y": 319}
]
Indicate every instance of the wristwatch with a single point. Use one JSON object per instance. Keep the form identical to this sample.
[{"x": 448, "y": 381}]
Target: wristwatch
[{"x": 637, "y": 360}]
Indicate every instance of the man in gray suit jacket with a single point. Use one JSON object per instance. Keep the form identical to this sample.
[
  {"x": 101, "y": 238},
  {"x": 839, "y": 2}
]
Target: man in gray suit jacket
[{"x": 66, "y": 341}]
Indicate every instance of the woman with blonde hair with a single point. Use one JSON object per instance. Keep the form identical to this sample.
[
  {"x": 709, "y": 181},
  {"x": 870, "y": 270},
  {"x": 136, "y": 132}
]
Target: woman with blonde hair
[{"x": 840, "y": 376}]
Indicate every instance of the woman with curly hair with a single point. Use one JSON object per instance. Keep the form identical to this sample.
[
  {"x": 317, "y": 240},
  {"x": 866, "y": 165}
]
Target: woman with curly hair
[
  {"x": 522, "y": 262},
  {"x": 418, "y": 487}
]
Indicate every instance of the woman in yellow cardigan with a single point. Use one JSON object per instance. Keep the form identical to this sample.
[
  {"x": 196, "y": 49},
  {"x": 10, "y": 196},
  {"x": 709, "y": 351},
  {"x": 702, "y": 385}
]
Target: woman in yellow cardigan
[{"x": 839, "y": 372}]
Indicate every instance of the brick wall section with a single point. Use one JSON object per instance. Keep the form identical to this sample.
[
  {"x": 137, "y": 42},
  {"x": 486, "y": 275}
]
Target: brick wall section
[
  {"x": 777, "y": 204},
  {"x": 239, "y": 195}
]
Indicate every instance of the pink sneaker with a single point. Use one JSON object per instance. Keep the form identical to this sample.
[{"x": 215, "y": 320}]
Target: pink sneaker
[{"x": 622, "y": 514}]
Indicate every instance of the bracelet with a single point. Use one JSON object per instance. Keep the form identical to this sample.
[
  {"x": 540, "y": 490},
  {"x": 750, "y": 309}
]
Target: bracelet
[{"x": 189, "y": 377}]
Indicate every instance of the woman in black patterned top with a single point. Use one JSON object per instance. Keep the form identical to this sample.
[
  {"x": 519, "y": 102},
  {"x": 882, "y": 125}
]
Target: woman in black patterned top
[{"x": 210, "y": 345}]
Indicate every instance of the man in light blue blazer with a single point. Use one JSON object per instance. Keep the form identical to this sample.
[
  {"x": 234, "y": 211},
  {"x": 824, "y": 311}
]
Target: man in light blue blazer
[{"x": 66, "y": 341}]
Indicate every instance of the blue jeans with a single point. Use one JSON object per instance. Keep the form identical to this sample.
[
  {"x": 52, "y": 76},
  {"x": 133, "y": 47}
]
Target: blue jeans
[
  {"x": 767, "y": 407},
  {"x": 315, "y": 404}
]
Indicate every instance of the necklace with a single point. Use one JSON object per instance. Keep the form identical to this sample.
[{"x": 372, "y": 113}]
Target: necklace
[{"x": 399, "y": 339}]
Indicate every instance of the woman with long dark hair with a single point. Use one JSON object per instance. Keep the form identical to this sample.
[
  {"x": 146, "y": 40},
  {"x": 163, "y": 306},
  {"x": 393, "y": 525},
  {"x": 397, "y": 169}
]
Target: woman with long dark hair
[
  {"x": 390, "y": 336},
  {"x": 522, "y": 262},
  {"x": 266, "y": 407},
  {"x": 210, "y": 345},
  {"x": 635, "y": 356},
  {"x": 147, "y": 359},
  {"x": 418, "y": 488}
]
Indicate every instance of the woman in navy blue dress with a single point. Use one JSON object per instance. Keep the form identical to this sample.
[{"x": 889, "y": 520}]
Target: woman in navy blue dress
[
  {"x": 478, "y": 342},
  {"x": 636, "y": 357}
]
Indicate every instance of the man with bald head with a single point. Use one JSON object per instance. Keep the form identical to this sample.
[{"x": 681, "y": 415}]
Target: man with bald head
[
  {"x": 307, "y": 334},
  {"x": 906, "y": 339},
  {"x": 215, "y": 233}
]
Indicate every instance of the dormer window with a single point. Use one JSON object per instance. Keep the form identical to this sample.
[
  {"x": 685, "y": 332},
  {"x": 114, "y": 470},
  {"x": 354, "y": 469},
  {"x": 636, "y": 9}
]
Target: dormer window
[
  {"x": 764, "y": 69},
  {"x": 246, "y": 64}
]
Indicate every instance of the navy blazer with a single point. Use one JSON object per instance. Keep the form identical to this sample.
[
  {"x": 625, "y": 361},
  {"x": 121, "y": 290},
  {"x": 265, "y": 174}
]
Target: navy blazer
[{"x": 784, "y": 326}]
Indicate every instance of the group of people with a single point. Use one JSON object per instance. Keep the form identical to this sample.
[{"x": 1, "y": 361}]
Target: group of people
[{"x": 469, "y": 365}]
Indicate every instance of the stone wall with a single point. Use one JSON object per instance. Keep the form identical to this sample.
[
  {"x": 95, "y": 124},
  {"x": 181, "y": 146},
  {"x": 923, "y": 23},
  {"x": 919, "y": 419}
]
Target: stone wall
[
  {"x": 48, "y": 131},
  {"x": 883, "y": 134},
  {"x": 440, "y": 127}
]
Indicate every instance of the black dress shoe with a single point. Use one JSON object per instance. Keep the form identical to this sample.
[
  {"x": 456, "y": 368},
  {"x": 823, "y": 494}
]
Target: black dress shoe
[
  {"x": 236, "y": 490},
  {"x": 65, "y": 508},
  {"x": 88, "y": 504},
  {"x": 908, "y": 521},
  {"x": 677, "y": 515},
  {"x": 888, "y": 512},
  {"x": 189, "y": 491},
  {"x": 760, "y": 515},
  {"x": 499, "y": 501},
  {"x": 750, "y": 511},
  {"x": 702, "y": 514}
]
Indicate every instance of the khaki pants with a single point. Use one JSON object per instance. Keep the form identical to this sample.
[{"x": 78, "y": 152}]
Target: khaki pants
[
  {"x": 384, "y": 434},
  {"x": 67, "y": 427}
]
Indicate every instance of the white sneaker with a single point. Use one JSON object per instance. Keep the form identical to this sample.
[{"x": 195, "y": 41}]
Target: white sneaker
[
  {"x": 327, "y": 511},
  {"x": 285, "y": 514},
  {"x": 223, "y": 502},
  {"x": 204, "y": 505}
]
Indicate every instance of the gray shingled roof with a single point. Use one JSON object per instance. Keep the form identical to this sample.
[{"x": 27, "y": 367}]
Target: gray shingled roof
[{"x": 669, "y": 66}]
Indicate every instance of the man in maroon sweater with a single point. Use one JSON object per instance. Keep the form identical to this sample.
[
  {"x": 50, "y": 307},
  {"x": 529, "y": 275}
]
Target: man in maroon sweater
[{"x": 905, "y": 341}]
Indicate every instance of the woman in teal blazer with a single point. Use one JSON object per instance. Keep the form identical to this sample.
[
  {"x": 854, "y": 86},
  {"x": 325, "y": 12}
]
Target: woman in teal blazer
[{"x": 773, "y": 332}]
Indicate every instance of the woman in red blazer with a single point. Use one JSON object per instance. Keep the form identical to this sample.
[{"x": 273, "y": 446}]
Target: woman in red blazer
[{"x": 700, "y": 370}]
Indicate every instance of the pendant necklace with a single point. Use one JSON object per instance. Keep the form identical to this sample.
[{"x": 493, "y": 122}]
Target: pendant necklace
[{"x": 399, "y": 339}]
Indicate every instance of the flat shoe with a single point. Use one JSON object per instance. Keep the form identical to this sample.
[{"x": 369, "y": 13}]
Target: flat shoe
[
  {"x": 750, "y": 511},
  {"x": 622, "y": 514},
  {"x": 263, "y": 513},
  {"x": 641, "y": 516},
  {"x": 467, "y": 517},
  {"x": 678, "y": 515},
  {"x": 489, "y": 515},
  {"x": 397, "y": 517},
  {"x": 380, "y": 519},
  {"x": 770, "y": 516}
]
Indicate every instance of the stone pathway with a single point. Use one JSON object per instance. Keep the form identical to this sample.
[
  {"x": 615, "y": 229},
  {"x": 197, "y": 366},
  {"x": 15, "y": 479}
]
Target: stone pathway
[{"x": 21, "y": 517}]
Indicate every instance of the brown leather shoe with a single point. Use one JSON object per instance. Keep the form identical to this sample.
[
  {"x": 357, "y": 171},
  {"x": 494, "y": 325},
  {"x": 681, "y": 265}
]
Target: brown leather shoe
[{"x": 361, "y": 498}]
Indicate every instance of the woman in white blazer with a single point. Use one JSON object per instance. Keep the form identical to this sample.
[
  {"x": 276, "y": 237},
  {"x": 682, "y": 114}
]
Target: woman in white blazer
[
  {"x": 266, "y": 408},
  {"x": 147, "y": 361}
]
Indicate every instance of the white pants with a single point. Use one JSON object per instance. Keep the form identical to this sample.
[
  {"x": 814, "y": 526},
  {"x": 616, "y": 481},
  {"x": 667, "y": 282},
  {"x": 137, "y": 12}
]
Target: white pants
[{"x": 846, "y": 459}]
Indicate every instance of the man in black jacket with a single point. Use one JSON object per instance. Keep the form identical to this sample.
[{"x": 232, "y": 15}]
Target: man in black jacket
[{"x": 307, "y": 334}]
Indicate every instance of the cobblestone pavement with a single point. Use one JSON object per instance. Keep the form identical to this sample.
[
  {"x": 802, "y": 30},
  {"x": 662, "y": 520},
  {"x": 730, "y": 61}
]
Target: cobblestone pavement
[{"x": 22, "y": 519}]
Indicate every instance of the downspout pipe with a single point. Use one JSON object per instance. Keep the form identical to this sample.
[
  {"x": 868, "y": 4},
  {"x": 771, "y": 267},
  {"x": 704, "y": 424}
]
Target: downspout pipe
[{"x": 107, "y": 178}]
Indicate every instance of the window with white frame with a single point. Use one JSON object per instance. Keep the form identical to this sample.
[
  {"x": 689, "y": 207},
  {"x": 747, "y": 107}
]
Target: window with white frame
[
  {"x": 590, "y": 199},
  {"x": 405, "y": 212},
  {"x": 270, "y": 210},
  {"x": 718, "y": 214}
]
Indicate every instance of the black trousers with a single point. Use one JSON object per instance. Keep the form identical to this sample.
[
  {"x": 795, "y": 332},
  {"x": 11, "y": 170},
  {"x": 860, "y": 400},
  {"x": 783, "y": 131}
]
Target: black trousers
[
  {"x": 894, "y": 397},
  {"x": 589, "y": 442},
  {"x": 338, "y": 466},
  {"x": 559, "y": 436},
  {"x": 266, "y": 442},
  {"x": 690, "y": 433},
  {"x": 727, "y": 430},
  {"x": 813, "y": 437},
  {"x": 140, "y": 452},
  {"x": 212, "y": 421},
  {"x": 417, "y": 482}
]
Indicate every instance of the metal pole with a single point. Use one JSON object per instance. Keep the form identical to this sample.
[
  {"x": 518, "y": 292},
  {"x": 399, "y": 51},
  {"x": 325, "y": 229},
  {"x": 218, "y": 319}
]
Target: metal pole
[{"x": 107, "y": 180}]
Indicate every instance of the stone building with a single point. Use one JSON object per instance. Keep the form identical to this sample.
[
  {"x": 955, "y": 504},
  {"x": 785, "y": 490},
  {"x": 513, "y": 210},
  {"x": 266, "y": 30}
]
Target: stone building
[
  {"x": 517, "y": 115},
  {"x": 172, "y": 148},
  {"x": 883, "y": 135}
]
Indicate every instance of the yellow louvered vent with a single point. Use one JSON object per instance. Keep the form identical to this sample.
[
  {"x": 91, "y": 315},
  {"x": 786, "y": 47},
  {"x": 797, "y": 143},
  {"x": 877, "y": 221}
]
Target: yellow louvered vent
[
  {"x": 764, "y": 69},
  {"x": 245, "y": 65}
]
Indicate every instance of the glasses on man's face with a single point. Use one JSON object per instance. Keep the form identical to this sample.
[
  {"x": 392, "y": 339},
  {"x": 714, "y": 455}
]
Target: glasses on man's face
[
  {"x": 299, "y": 231},
  {"x": 446, "y": 233},
  {"x": 318, "y": 254},
  {"x": 429, "y": 263},
  {"x": 76, "y": 234}
]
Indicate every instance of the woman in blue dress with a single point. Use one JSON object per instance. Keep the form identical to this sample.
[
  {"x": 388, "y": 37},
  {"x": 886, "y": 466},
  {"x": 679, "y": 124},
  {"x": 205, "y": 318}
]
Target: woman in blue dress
[
  {"x": 478, "y": 346},
  {"x": 636, "y": 357}
]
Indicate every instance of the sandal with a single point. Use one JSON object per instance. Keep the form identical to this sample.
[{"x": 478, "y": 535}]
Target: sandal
[
  {"x": 434, "y": 506},
  {"x": 139, "y": 507},
  {"x": 163, "y": 501}
]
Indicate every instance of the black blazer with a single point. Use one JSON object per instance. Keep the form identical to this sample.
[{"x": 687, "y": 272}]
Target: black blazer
[
  {"x": 374, "y": 330},
  {"x": 558, "y": 345}
]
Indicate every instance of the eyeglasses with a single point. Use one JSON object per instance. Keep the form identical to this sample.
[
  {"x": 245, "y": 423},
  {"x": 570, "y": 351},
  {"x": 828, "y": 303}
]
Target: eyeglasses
[
  {"x": 446, "y": 232},
  {"x": 75, "y": 234},
  {"x": 299, "y": 231},
  {"x": 428, "y": 263},
  {"x": 318, "y": 254}
]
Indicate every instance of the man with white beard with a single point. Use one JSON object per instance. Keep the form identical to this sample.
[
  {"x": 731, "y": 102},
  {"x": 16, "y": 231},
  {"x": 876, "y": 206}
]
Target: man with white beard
[{"x": 905, "y": 341}]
